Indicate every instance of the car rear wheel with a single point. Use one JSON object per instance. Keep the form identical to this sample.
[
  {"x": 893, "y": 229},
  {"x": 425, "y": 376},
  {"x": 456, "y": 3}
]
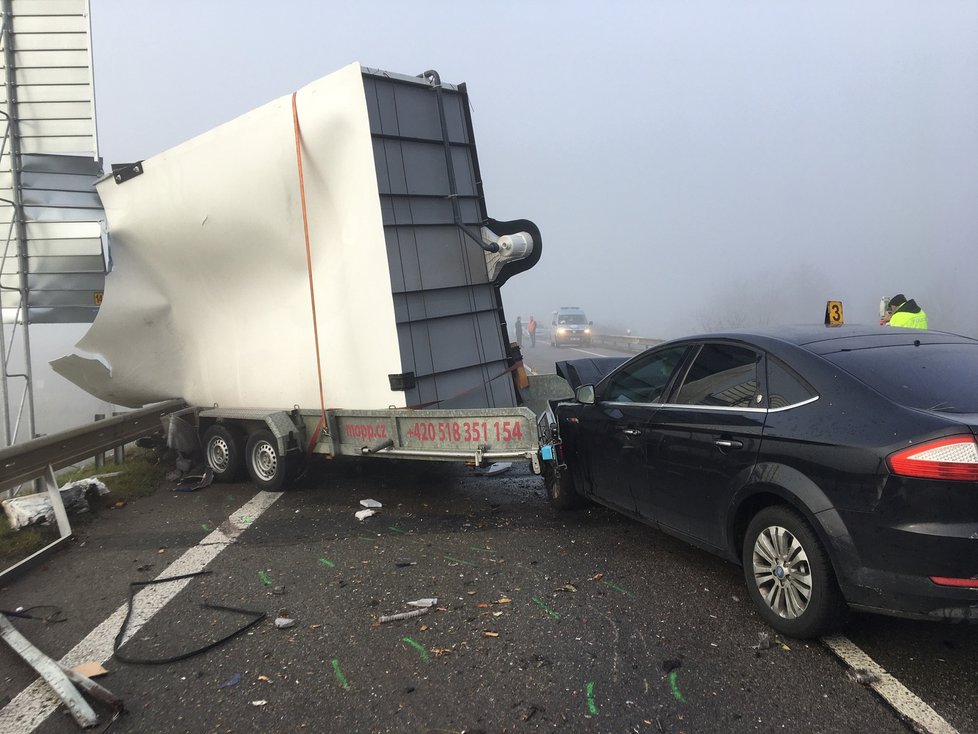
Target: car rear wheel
[
  {"x": 561, "y": 492},
  {"x": 224, "y": 449},
  {"x": 789, "y": 576},
  {"x": 269, "y": 470}
]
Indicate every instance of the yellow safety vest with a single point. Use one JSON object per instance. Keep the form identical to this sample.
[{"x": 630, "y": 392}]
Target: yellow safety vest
[{"x": 909, "y": 320}]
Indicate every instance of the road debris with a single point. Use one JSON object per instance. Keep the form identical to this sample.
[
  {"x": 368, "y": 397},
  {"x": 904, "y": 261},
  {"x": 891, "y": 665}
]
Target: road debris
[
  {"x": 260, "y": 702},
  {"x": 427, "y": 602},
  {"x": 403, "y": 615},
  {"x": 232, "y": 681},
  {"x": 372, "y": 504},
  {"x": 36, "y": 509},
  {"x": 763, "y": 641},
  {"x": 496, "y": 468},
  {"x": 90, "y": 669},
  {"x": 284, "y": 622},
  {"x": 364, "y": 514},
  {"x": 196, "y": 481},
  {"x": 862, "y": 676}
]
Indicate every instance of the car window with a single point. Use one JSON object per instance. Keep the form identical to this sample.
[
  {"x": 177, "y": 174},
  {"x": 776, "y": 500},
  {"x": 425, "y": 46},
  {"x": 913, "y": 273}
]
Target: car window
[
  {"x": 644, "y": 379},
  {"x": 722, "y": 375},
  {"x": 937, "y": 377},
  {"x": 785, "y": 387}
]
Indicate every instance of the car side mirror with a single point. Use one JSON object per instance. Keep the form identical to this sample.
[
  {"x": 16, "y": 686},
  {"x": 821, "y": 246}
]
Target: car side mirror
[{"x": 585, "y": 394}]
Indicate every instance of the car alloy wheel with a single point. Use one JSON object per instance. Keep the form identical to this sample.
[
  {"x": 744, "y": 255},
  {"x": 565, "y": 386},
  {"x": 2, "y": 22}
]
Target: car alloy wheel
[{"x": 789, "y": 575}]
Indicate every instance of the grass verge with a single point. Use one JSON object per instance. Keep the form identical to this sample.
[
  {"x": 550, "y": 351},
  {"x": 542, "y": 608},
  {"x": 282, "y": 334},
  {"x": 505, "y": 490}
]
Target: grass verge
[{"x": 139, "y": 476}]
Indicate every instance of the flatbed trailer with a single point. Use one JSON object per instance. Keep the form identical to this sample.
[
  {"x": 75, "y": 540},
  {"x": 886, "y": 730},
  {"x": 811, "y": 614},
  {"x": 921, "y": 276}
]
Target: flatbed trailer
[{"x": 271, "y": 447}]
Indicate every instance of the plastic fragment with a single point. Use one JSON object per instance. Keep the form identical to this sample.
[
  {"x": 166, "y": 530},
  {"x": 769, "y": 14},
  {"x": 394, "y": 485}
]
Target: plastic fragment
[
  {"x": 863, "y": 677},
  {"x": 284, "y": 622},
  {"x": 374, "y": 504},
  {"x": 403, "y": 615},
  {"x": 427, "y": 602},
  {"x": 364, "y": 514},
  {"x": 763, "y": 641},
  {"x": 260, "y": 702},
  {"x": 232, "y": 681}
]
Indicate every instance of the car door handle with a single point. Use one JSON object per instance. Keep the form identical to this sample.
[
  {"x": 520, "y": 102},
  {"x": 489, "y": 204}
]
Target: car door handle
[
  {"x": 725, "y": 443},
  {"x": 631, "y": 431}
]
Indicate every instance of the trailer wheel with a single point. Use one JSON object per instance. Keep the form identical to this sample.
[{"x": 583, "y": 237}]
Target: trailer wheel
[
  {"x": 268, "y": 470},
  {"x": 224, "y": 450}
]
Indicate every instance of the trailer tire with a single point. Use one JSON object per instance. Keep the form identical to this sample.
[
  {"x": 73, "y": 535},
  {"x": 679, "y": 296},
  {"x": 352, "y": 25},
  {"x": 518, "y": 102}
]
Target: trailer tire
[
  {"x": 224, "y": 451},
  {"x": 268, "y": 470},
  {"x": 561, "y": 491}
]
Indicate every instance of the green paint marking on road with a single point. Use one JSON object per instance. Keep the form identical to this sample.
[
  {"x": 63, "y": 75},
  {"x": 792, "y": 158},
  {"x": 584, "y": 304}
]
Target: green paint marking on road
[
  {"x": 264, "y": 578},
  {"x": 206, "y": 526},
  {"x": 545, "y": 608},
  {"x": 616, "y": 587},
  {"x": 246, "y": 520},
  {"x": 339, "y": 673},
  {"x": 396, "y": 529},
  {"x": 366, "y": 537},
  {"x": 459, "y": 560},
  {"x": 327, "y": 562},
  {"x": 592, "y": 707},
  {"x": 675, "y": 688},
  {"x": 421, "y": 651},
  {"x": 481, "y": 550}
]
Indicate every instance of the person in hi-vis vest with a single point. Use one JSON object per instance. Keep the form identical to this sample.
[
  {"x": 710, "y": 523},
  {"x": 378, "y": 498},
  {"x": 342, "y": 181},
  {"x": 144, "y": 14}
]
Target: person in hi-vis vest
[{"x": 905, "y": 312}]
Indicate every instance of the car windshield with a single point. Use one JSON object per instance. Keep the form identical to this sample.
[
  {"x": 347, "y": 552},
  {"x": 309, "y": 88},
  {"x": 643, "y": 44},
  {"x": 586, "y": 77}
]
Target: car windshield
[
  {"x": 938, "y": 377},
  {"x": 573, "y": 318}
]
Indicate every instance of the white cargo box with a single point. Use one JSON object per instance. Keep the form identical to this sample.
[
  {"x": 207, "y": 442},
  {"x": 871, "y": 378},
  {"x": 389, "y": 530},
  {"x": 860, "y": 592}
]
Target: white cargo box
[{"x": 209, "y": 296}]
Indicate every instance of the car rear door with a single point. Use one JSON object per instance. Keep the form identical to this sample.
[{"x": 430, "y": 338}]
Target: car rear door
[{"x": 703, "y": 442}]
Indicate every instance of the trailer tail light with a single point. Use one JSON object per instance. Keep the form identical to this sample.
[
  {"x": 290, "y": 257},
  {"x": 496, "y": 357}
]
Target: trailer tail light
[{"x": 953, "y": 458}]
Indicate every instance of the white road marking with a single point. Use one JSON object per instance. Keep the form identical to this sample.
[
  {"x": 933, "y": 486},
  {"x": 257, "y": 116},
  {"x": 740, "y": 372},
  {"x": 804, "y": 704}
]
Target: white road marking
[
  {"x": 34, "y": 704},
  {"x": 902, "y": 699},
  {"x": 584, "y": 351}
]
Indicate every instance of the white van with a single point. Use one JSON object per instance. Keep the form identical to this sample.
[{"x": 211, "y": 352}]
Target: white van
[{"x": 570, "y": 326}]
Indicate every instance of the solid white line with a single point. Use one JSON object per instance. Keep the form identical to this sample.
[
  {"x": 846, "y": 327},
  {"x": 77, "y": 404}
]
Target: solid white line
[
  {"x": 34, "y": 704},
  {"x": 902, "y": 699}
]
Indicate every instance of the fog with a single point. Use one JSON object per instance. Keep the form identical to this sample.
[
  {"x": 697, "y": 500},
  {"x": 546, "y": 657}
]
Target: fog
[{"x": 691, "y": 165}]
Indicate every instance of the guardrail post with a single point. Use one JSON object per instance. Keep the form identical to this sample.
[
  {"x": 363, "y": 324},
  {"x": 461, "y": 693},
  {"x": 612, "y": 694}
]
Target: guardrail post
[
  {"x": 100, "y": 456},
  {"x": 119, "y": 453}
]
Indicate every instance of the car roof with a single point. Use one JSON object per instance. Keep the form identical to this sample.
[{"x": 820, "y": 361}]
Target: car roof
[{"x": 821, "y": 339}]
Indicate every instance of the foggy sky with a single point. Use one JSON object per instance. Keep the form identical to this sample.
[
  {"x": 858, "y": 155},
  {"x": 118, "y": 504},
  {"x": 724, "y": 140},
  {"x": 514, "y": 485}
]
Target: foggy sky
[{"x": 690, "y": 165}]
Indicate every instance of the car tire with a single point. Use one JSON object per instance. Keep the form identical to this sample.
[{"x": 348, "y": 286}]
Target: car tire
[
  {"x": 224, "y": 451},
  {"x": 268, "y": 470},
  {"x": 789, "y": 576},
  {"x": 561, "y": 491}
]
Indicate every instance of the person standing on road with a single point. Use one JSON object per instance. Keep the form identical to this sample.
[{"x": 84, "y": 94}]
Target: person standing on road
[
  {"x": 531, "y": 329},
  {"x": 904, "y": 312},
  {"x": 519, "y": 331}
]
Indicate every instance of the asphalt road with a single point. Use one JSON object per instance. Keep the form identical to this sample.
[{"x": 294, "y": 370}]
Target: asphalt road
[{"x": 581, "y": 621}]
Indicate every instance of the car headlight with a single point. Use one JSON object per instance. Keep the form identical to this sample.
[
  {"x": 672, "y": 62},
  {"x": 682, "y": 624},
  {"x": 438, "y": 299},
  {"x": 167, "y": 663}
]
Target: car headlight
[
  {"x": 587, "y": 331},
  {"x": 561, "y": 330}
]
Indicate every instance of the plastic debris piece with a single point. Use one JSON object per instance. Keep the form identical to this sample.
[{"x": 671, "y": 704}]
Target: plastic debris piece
[
  {"x": 374, "y": 504},
  {"x": 195, "y": 482},
  {"x": 504, "y": 600},
  {"x": 278, "y": 590},
  {"x": 232, "y": 681},
  {"x": 260, "y": 702},
  {"x": 763, "y": 641},
  {"x": 284, "y": 622},
  {"x": 403, "y": 615},
  {"x": 496, "y": 468},
  {"x": 404, "y": 563},
  {"x": 364, "y": 514},
  {"x": 428, "y": 602},
  {"x": 597, "y": 577},
  {"x": 90, "y": 670},
  {"x": 264, "y": 678},
  {"x": 490, "y": 633},
  {"x": 36, "y": 509}
]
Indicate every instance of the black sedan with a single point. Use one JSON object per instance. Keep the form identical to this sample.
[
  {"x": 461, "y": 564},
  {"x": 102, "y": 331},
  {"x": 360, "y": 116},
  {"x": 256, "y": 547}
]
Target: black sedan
[{"x": 839, "y": 465}]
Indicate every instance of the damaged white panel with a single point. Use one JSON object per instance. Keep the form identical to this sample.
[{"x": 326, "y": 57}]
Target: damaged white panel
[{"x": 209, "y": 296}]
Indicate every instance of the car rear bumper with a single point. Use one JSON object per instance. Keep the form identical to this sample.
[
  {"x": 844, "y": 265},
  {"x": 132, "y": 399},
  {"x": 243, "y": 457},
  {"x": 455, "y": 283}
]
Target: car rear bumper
[{"x": 894, "y": 565}]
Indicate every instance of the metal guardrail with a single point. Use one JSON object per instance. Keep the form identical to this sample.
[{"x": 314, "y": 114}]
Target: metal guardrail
[
  {"x": 625, "y": 341},
  {"x": 26, "y": 461}
]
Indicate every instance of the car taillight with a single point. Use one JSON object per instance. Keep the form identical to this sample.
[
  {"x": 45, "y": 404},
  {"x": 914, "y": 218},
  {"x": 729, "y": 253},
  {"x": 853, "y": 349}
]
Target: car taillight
[{"x": 946, "y": 458}]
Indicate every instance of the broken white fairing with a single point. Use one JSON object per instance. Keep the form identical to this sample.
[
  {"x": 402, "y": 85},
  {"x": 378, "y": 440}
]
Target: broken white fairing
[{"x": 209, "y": 295}]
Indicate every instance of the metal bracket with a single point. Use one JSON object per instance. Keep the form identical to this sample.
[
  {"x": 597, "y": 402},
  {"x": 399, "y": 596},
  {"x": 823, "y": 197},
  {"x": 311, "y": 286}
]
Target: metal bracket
[{"x": 123, "y": 173}]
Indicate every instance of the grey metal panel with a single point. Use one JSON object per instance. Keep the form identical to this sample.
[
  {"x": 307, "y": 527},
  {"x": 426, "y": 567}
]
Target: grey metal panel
[
  {"x": 71, "y": 264},
  {"x": 72, "y": 281},
  {"x": 61, "y": 199},
  {"x": 50, "y": 299},
  {"x": 28, "y": 8},
  {"x": 448, "y": 313},
  {"x": 62, "y": 315},
  {"x": 53, "y": 110},
  {"x": 64, "y": 247},
  {"x": 62, "y": 164},
  {"x": 58, "y": 182}
]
